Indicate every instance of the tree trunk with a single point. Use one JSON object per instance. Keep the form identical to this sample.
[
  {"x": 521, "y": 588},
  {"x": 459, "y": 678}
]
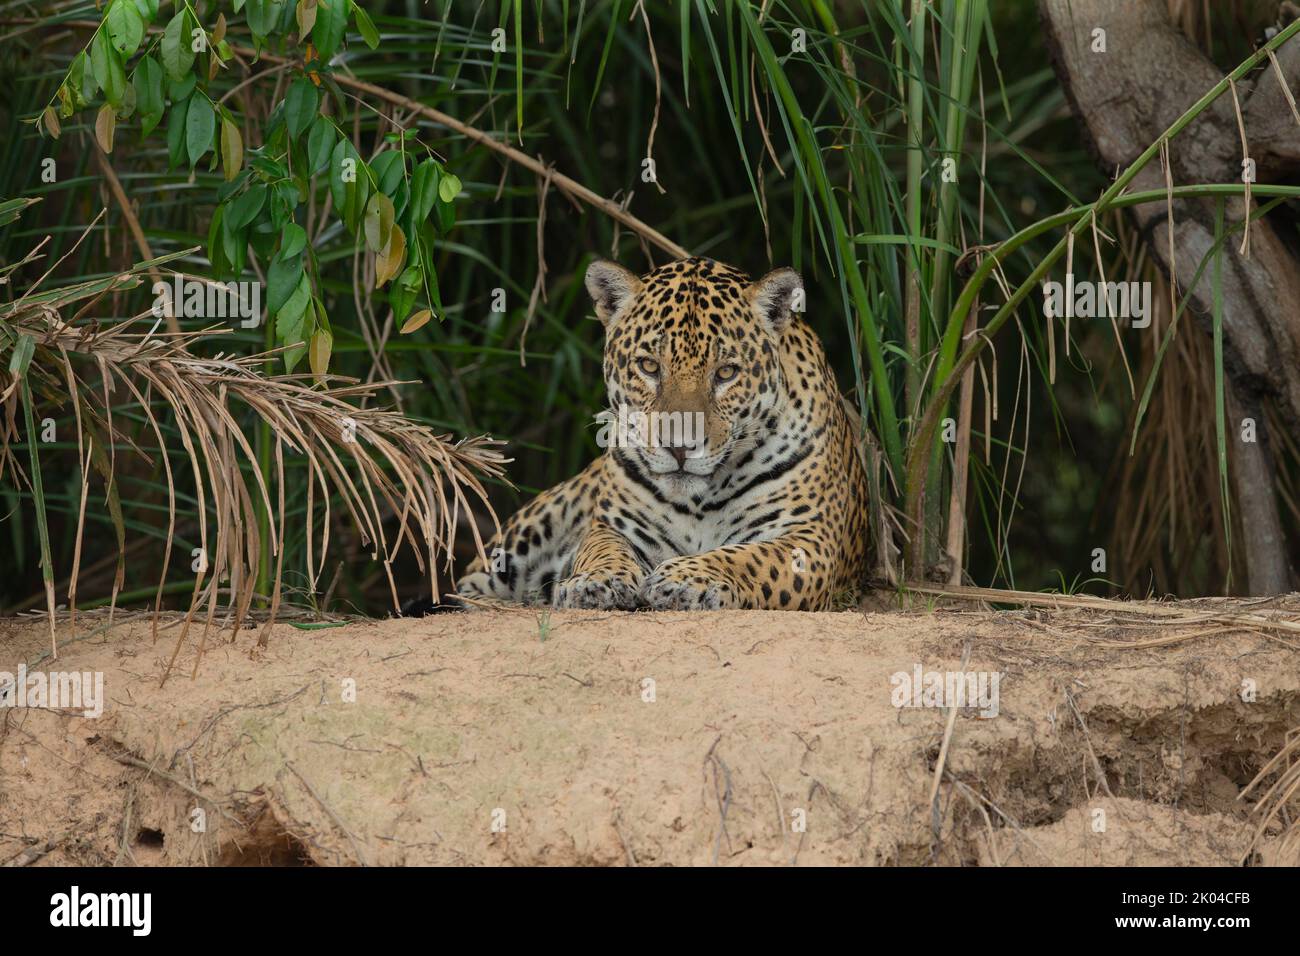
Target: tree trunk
[{"x": 1147, "y": 77}]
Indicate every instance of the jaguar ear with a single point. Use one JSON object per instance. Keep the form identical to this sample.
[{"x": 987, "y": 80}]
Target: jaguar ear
[
  {"x": 776, "y": 297},
  {"x": 610, "y": 287}
]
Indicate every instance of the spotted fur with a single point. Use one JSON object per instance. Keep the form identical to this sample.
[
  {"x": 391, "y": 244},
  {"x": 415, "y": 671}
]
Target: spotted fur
[{"x": 765, "y": 509}]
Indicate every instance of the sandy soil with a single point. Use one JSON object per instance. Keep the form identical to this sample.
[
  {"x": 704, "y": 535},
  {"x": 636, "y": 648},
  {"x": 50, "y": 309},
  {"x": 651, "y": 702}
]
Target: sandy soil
[{"x": 760, "y": 738}]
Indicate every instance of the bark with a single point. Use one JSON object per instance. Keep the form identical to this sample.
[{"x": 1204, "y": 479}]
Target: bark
[{"x": 1124, "y": 98}]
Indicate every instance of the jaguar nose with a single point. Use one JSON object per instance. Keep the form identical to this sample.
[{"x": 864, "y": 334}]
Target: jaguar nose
[{"x": 681, "y": 450}]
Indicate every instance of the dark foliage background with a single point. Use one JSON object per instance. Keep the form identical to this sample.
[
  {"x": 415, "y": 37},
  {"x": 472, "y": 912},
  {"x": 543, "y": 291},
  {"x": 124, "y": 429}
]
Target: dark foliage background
[{"x": 1047, "y": 473}]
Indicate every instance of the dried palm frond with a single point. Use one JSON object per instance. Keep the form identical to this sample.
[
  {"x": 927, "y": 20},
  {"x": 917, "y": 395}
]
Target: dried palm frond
[{"x": 373, "y": 459}]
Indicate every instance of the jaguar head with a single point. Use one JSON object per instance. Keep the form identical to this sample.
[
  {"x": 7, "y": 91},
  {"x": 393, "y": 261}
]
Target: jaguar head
[{"x": 692, "y": 361}]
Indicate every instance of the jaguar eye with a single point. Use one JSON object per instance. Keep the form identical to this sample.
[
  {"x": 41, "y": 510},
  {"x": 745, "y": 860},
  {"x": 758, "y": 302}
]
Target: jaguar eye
[
  {"x": 648, "y": 365},
  {"x": 726, "y": 373}
]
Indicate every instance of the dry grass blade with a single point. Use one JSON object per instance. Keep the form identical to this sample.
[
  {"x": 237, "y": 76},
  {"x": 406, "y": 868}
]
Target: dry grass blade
[{"x": 1138, "y": 609}]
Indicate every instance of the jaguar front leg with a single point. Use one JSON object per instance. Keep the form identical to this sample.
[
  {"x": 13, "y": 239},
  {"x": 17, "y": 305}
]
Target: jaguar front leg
[
  {"x": 535, "y": 546},
  {"x": 792, "y": 572},
  {"x": 606, "y": 573}
]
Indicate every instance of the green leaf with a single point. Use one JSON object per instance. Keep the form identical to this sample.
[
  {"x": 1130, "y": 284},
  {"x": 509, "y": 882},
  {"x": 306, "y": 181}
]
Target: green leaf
[
  {"x": 286, "y": 201},
  {"x": 358, "y": 193},
  {"x": 446, "y": 217},
  {"x": 430, "y": 276},
  {"x": 216, "y": 248},
  {"x": 177, "y": 54},
  {"x": 182, "y": 88},
  {"x": 282, "y": 278},
  {"x": 365, "y": 26},
  {"x": 350, "y": 194},
  {"x": 316, "y": 625},
  {"x": 127, "y": 109},
  {"x": 319, "y": 144},
  {"x": 322, "y": 320},
  {"x": 245, "y": 209},
  {"x": 148, "y": 9},
  {"x": 331, "y": 23},
  {"x": 378, "y": 221},
  {"x": 270, "y": 169},
  {"x": 424, "y": 189},
  {"x": 125, "y": 26},
  {"x": 81, "y": 76},
  {"x": 296, "y": 323},
  {"x": 200, "y": 125},
  {"x": 449, "y": 188},
  {"x": 289, "y": 320},
  {"x": 293, "y": 239},
  {"x": 106, "y": 63},
  {"x": 264, "y": 235},
  {"x": 148, "y": 81},
  {"x": 232, "y": 149},
  {"x": 389, "y": 167},
  {"x": 300, "y": 106},
  {"x": 176, "y": 134},
  {"x": 234, "y": 244},
  {"x": 262, "y": 16},
  {"x": 339, "y": 167},
  {"x": 402, "y": 295},
  {"x": 294, "y": 355}
]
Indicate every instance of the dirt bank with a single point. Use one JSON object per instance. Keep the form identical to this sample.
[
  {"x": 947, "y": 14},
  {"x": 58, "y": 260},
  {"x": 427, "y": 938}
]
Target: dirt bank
[{"x": 736, "y": 737}]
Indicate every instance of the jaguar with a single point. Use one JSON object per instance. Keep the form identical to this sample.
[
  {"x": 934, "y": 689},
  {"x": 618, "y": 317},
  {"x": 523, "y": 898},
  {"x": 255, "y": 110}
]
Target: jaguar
[{"x": 730, "y": 476}]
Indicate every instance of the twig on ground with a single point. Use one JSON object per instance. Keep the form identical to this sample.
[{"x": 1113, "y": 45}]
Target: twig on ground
[
  {"x": 935, "y": 820},
  {"x": 723, "y": 799},
  {"x": 37, "y": 850},
  {"x": 356, "y": 848}
]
